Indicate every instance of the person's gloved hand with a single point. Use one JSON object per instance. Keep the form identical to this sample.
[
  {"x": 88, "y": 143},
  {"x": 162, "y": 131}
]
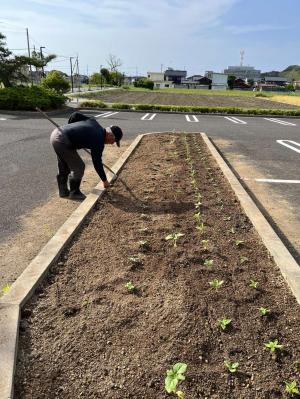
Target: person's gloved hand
[{"x": 106, "y": 184}]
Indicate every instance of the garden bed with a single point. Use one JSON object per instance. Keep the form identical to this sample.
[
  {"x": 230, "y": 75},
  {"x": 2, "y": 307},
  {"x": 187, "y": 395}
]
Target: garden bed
[{"x": 85, "y": 335}]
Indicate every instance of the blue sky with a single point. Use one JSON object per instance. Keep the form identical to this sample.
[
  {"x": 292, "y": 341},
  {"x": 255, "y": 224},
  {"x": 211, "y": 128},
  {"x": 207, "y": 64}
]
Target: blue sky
[{"x": 196, "y": 35}]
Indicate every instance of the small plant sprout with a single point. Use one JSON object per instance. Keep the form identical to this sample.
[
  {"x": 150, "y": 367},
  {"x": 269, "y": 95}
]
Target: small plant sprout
[
  {"x": 227, "y": 218},
  {"x": 173, "y": 378},
  {"x": 253, "y": 284},
  {"x": 130, "y": 287},
  {"x": 232, "y": 367},
  {"x": 291, "y": 387},
  {"x": 198, "y": 204},
  {"x": 6, "y": 288},
  {"x": 263, "y": 311},
  {"x": 238, "y": 243},
  {"x": 197, "y": 216},
  {"x": 224, "y": 323},
  {"x": 243, "y": 259},
  {"x": 143, "y": 244},
  {"x": 232, "y": 230},
  {"x": 205, "y": 244},
  {"x": 273, "y": 345},
  {"x": 198, "y": 197},
  {"x": 215, "y": 283},
  {"x": 174, "y": 237},
  {"x": 200, "y": 227},
  {"x": 135, "y": 259},
  {"x": 208, "y": 262}
]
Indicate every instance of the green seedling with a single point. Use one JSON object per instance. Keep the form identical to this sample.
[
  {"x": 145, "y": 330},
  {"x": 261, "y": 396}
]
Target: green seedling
[
  {"x": 130, "y": 287},
  {"x": 232, "y": 230},
  {"x": 173, "y": 378},
  {"x": 143, "y": 244},
  {"x": 205, "y": 244},
  {"x": 198, "y": 197},
  {"x": 208, "y": 262},
  {"x": 135, "y": 259},
  {"x": 144, "y": 216},
  {"x": 6, "y": 288},
  {"x": 200, "y": 227},
  {"x": 238, "y": 243},
  {"x": 85, "y": 302},
  {"x": 198, "y": 204},
  {"x": 232, "y": 367},
  {"x": 291, "y": 387},
  {"x": 243, "y": 259},
  {"x": 197, "y": 216},
  {"x": 263, "y": 311},
  {"x": 174, "y": 237},
  {"x": 144, "y": 230},
  {"x": 253, "y": 284},
  {"x": 215, "y": 283},
  {"x": 227, "y": 218},
  {"x": 224, "y": 323},
  {"x": 273, "y": 345}
]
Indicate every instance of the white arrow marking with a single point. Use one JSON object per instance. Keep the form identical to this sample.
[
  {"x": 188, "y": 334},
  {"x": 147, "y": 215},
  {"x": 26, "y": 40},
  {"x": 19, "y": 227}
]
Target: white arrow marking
[{"x": 285, "y": 143}]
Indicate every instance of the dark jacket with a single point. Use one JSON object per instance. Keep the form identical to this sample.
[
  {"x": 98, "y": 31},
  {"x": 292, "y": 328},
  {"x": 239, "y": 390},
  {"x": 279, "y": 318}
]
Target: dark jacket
[{"x": 85, "y": 132}]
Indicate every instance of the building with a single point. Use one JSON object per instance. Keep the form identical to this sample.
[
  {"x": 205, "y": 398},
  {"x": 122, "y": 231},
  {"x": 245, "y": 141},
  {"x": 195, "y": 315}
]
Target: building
[
  {"x": 175, "y": 76},
  {"x": 158, "y": 78},
  {"x": 243, "y": 72},
  {"x": 196, "y": 82},
  {"x": 218, "y": 80},
  {"x": 275, "y": 80}
]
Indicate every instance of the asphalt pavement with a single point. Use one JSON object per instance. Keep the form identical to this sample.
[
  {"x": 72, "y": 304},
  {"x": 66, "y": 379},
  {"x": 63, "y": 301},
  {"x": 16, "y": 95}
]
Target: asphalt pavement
[{"x": 28, "y": 163}]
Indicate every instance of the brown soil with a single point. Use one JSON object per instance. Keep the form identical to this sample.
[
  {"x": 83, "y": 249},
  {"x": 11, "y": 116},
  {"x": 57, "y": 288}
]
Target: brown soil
[
  {"x": 84, "y": 335},
  {"x": 205, "y": 100}
]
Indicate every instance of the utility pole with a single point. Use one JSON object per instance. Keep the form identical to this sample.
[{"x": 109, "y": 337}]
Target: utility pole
[
  {"x": 101, "y": 85},
  {"x": 28, "y": 47},
  {"x": 41, "y": 53},
  {"x": 78, "y": 78},
  {"x": 72, "y": 83}
]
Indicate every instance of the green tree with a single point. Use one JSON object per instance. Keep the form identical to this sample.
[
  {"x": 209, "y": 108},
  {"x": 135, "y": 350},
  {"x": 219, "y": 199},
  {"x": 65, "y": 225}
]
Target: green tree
[
  {"x": 105, "y": 75},
  {"x": 13, "y": 68},
  {"x": 230, "y": 81},
  {"x": 116, "y": 78},
  {"x": 56, "y": 81},
  {"x": 95, "y": 78}
]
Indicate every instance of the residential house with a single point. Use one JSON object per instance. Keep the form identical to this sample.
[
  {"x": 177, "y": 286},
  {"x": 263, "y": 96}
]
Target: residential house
[
  {"x": 218, "y": 80},
  {"x": 175, "y": 76},
  {"x": 159, "y": 81},
  {"x": 196, "y": 82}
]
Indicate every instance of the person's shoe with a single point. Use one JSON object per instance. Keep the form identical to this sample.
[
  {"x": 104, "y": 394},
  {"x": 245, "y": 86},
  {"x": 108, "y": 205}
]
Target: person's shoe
[
  {"x": 62, "y": 182},
  {"x": 75, "y": 192}
]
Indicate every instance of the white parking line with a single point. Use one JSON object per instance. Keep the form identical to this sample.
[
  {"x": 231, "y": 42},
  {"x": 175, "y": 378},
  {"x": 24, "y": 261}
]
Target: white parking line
[
  {"x": 146, "y": 117},
  {"x": 187, "y": 117},
  {"x": 235, "y": 120},
  {"x": 277, "y": 181},
  {"x": 106, "y": 114},
  {"x": 292, "y": 147},
  {"x": 3, "y": 119},
  {"x": 280, "y": 122}
]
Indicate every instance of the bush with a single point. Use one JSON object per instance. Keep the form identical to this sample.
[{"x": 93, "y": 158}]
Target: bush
[
  {"x": 145, "y": 83},
  {"x": 54, "y": 80},
  {"x": 121, "y": 106},
  {"x": 28, "y": 98},
  {"x": 93, "y": 104},
  {"x": 261, "y": 95}
]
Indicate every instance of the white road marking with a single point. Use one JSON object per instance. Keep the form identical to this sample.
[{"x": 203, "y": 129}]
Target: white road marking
[
  {"x": 292, "y": 147},
  {"x": 277, "y": 181},
  {"x": 280, "y": 122},
  {"x": 3, "y": 119},
  {"x": 106, "y": 114},
  {"x": 235, "y": 120},
  {"x": 146, "y": 117},
  {"x": 187, "y": 117}
]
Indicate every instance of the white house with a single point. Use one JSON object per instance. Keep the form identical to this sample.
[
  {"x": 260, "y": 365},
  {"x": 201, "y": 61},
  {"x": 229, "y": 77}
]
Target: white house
[
  {"x": 218, "y": 80},
  {"x": 158, "y": 78}
]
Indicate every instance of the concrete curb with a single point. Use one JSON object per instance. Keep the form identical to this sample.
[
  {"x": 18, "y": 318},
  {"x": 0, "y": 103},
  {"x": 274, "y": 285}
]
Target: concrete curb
[
  {"x": 27, "y": 282},
  {"x": 288, "y": 266}
]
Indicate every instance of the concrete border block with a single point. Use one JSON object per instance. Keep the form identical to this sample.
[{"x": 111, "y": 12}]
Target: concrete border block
[{"x": 287, "y": 264}]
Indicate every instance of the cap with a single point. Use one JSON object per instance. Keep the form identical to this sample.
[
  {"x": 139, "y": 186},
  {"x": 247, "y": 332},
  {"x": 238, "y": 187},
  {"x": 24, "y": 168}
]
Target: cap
[{"x": 117, "y": 132}]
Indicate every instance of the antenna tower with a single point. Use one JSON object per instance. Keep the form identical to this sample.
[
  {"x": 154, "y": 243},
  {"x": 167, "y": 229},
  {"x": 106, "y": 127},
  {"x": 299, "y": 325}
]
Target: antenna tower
[{"x": 242, "y": 52}]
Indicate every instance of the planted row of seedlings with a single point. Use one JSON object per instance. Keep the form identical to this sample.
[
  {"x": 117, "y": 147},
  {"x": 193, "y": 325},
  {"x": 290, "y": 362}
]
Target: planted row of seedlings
[{"x": 185, "y": 303}]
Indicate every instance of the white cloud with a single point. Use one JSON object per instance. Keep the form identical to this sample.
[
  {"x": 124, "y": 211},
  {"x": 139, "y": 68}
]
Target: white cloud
[{"x": 236, "y": 30}]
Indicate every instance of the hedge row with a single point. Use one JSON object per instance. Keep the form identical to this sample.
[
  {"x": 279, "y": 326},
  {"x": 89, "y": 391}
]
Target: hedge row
[
  {"x": 204, "y": 110},
  {"x": 27, "y": 98}
]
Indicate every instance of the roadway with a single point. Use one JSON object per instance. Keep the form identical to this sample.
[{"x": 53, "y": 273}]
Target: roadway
[{"x": 257, "y": 148}]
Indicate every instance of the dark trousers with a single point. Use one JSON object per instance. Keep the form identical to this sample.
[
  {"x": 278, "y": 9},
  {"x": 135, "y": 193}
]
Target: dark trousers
[{"x": 69, "y": 161}]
